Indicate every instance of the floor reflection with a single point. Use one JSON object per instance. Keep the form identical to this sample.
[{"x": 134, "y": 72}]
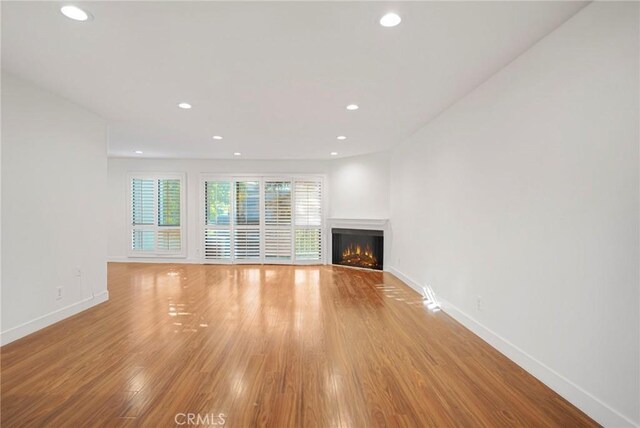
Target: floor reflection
[{"x": 268, "y": 346}]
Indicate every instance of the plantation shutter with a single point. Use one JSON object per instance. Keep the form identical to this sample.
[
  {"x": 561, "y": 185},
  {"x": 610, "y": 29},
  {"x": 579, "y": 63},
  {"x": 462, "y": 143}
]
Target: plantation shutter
[
  {"x": 143, "y": 195},
  {"x": 217, "y": 244},
  {"x": 246, "y": 244},
  {"x": 277, "y": 220},
  {"x": 217, "y": 236},
  {"x": 262, "y": 220},
  {"x": 246, "y": 233},
  {"x": 308, "y": 221},
  {"x": 143, "y": 234},
  {"x": 169, "y": 233},
  {"x": 156, "y": 214}
]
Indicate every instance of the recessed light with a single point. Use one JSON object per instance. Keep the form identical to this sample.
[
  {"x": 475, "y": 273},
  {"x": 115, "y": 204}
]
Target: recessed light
[
  {"x": 75, "y": 13},
  {"x": 237, "y": 154},
  {"x": 139, "y": 152},
  {"x": 334, "y": 153},
  {"x": 341, "y": 137},
  {"x": 390, "y": 20},
  {"x": 352, "y": 107},
  {"x": 185, "y": 106},
  {"x": 217, "y": 137}
]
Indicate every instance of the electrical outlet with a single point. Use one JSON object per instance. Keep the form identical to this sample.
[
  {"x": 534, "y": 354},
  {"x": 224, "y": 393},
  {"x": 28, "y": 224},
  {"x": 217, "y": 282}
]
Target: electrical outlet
[
  {"x": 479, "y": 304},
  {"x": 59, "y": 293},
  {"x": 78, "y": 272}
]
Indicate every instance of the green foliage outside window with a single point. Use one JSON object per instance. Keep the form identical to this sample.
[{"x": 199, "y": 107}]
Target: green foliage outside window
[
  {"x": 169, "y": 202},
  {"x": 218, "y": 194}
]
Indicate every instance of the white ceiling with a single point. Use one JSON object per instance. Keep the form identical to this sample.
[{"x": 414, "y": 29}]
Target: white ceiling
[{"x": 272, "y": 78}]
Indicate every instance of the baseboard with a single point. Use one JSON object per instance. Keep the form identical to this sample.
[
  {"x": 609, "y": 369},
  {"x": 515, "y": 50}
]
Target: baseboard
[
  {"x": 404, "y": 278},
  {"x": 589, "y": 404},
  {"x": 154, "y": 260},
  {"x": 39, "y": 323},
  {"x": 202, "y": 262}
]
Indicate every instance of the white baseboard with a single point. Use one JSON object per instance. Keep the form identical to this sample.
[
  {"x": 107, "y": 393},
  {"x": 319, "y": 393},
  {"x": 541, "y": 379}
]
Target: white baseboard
[
  {"x": 402, "y": 277},
  {"x": 589, "y": 404},
  {"x": 39, "y": 323},
  {"x": 154, "y": 260},
  {"x": 203, "y": 262}
]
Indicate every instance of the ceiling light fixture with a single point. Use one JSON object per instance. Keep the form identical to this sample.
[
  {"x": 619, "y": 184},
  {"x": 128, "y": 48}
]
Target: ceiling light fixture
[
  {"x": 341, "y": 137},
  {"x": 75, "y": 13},
  {"x": 217, "y": 137},
  {"x": 185, "y": 106},
  {"x": 237, "y": 154},
  {"x": 353, "y": 107},
  {"x": 390, "y": 20},
  {"x": 334, "y": 153},
  {"x": 138, "y": 152}
]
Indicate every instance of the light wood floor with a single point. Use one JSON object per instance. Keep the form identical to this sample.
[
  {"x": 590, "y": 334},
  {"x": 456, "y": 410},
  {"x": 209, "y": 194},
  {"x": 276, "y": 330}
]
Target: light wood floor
[{"x": 266, "y": 346}]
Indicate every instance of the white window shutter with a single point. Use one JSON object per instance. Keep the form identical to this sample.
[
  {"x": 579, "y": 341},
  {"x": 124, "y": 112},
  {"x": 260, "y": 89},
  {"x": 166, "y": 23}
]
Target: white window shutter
[
  {"x": 278, "y": 221},
  {"x": 247, "y": 231},
  {"x": 247, "y": 203},
  {"x": 143, "y": 235},
  {"x": 143, "y": 201},
  {"x": 277, "y": 245},
  {"x": 262, "y": 220},
  {"x": 217, "y": 244},
  {"x": 308, "y": 244},
  {"x": 143, "y": 240},
  {"x": 217, "y": 235},
  {"x": 246, "y": 243},
  {"x": 308, "y": 221},
  {"x": 169, "y": 240},
  {"x": 156, "y": 215},
  {"x": 169, "y": 202},
  {"x": 169, "y": 232}
]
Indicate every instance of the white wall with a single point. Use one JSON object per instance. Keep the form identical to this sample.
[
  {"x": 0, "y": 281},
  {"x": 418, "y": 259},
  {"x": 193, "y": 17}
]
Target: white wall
[
  {"x": 525, "y": 194},
  {"x": 54, "y": 179},
  {"x": 360, "y": 187},
  {"x": 358, "y": 170}
]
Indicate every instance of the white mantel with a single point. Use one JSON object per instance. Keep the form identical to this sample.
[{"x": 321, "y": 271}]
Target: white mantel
[{"x": 358, "y": 223}]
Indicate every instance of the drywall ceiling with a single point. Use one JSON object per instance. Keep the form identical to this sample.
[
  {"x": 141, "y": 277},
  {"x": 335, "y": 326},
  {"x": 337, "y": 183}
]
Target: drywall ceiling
[{"x": 272, "y": 78}]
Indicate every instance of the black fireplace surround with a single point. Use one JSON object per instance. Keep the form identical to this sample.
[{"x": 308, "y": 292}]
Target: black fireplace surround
[{"x": 358, "y": 248}]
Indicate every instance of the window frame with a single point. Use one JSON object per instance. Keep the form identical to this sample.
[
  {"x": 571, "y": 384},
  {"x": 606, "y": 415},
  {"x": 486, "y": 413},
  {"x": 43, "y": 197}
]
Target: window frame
[
  {"x": 261, "y": 178},
  {"x": 290, "y": 227},
  {"x": 156, "y": 253},
  {"x": 322, "y": 226},
  {"x": 203, "y": 220},
  {"x": 248, "y": 227}
]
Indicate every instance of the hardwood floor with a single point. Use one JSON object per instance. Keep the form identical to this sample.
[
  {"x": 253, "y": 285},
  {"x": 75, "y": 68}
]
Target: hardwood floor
[{"x": 266, "y": 346}]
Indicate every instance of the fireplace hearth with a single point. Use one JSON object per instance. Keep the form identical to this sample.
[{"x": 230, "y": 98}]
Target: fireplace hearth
[{"x": 358, "y": 248}]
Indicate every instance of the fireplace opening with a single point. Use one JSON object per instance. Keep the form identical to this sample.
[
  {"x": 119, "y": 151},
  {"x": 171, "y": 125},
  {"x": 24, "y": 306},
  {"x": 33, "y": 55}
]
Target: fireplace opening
[{"x": 358, "y": 248}]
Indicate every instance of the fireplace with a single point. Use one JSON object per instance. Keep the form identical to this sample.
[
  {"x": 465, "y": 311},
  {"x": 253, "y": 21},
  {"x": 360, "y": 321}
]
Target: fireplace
[{"x": 358, "y": 248}]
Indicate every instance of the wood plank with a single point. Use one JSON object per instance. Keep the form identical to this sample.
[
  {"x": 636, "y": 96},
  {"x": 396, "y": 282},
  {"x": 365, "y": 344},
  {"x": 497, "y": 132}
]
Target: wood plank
[{"x": 271, "y": 346}]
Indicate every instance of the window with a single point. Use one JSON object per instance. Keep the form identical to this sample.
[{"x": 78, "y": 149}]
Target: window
[
  {"x": 217, "y": 236},
  {"x": 246, "y": 234},
  {"x": 277, "y": 221},
  {"x": 262, "y": 220},
  {"x": 308, "y": 224},
  {"x": 156, "y": 215}
]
